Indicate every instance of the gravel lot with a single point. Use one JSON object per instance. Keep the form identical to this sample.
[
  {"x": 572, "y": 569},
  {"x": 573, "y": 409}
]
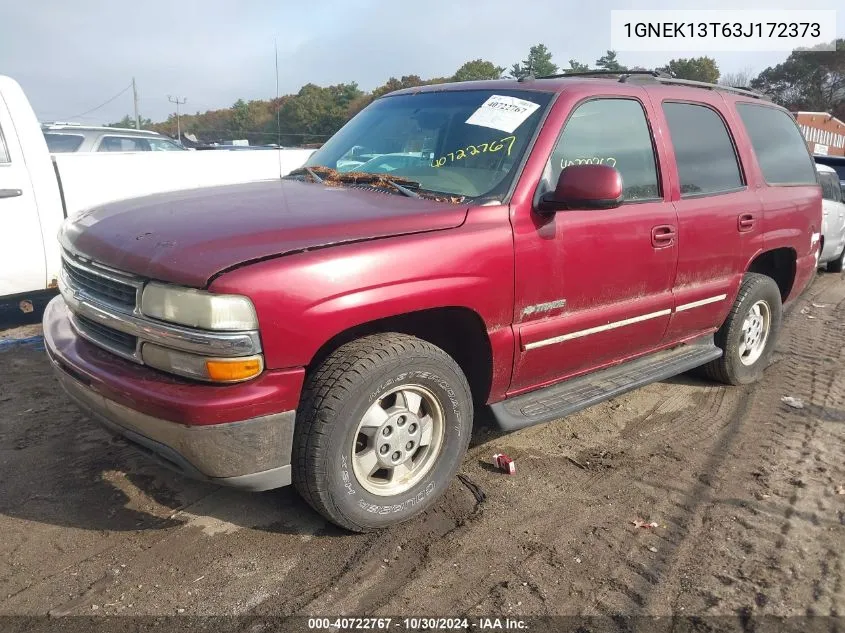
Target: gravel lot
[{"x": 748, "y": 495}]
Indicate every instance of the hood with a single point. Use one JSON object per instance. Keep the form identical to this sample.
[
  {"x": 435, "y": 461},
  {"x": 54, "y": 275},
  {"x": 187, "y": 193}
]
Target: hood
[{"x": 187, "y": 237}]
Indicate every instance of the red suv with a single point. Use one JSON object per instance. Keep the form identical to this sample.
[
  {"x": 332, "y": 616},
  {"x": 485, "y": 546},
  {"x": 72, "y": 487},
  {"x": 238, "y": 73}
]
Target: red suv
[{"x": 535, "y": 246}]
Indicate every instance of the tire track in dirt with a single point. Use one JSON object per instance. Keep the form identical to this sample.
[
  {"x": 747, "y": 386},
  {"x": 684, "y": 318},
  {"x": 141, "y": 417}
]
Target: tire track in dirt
[
  {"x": 741, "y": 423},
  {"x": 790, "y": 462},
  {"x": 677, "y": 509},
  {"x": 377, "y": 565}
]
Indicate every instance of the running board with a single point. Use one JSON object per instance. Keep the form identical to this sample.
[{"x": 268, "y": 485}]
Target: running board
[{"x": 562, "y": 399}]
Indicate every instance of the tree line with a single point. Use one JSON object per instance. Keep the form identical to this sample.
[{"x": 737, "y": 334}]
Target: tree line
[{"x": 807, "y": 80}]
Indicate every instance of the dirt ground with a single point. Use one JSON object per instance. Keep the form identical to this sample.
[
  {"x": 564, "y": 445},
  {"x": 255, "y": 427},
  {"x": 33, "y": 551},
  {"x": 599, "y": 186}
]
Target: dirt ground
[{"x": 748, "y": 496}]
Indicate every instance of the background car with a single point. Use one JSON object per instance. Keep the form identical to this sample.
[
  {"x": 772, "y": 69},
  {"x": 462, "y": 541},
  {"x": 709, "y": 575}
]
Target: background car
[
  {"x": 69, "y": 137},
  {"x": 833, "y": 220},
  {"x": 836, "y": 162},
  {"x": 238, "y": 148}
]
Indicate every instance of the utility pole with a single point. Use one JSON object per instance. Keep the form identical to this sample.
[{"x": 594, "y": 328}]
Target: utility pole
[
  {"x": 135, "y": 99},
  {"x": 178, "y": 101}
]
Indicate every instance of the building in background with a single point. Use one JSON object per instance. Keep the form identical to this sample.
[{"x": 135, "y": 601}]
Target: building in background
[{"x": 825, "y": 133}]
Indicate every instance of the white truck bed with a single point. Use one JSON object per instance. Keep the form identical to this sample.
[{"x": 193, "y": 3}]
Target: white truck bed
[
  {"x": 39, "y": 190},
  {"x": 88, "y": 180}
]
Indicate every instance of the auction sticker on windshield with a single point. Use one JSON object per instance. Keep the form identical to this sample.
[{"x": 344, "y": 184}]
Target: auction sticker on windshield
[{"x": 502, "y": 113}]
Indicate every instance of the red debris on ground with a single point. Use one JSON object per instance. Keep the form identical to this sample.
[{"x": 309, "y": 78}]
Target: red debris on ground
[{"x": 504, "y": 463}]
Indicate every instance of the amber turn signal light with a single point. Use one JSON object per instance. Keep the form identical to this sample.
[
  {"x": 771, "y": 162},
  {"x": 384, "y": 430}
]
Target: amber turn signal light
[{"x": 233, "y": 369}]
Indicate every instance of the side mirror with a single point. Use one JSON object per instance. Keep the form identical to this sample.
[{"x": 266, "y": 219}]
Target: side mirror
[{"x": 584, "y": 187}]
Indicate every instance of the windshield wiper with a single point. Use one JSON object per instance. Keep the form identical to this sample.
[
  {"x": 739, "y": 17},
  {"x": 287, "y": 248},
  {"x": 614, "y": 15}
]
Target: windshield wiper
[
  {"x": 313, "y": 175},
  {"x": 321, "y": 174},
  {"x": 403, "y": 190}
]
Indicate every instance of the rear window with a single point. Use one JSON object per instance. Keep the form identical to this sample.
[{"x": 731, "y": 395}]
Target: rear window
[
  {"x": 61, "y": 143},
  {"x": 778, "y": 144}
]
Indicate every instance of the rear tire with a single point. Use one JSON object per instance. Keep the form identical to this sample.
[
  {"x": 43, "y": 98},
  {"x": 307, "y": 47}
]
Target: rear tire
[
  {"x": 381, "y": 430},
  {"x": 748, "y": 335},
  {"x": 836, "y": 265}
]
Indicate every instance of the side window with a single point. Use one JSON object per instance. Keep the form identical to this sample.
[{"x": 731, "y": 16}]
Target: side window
[
  {"x": 780, "y": 149},
  {"x": 827, "y": 192},
  {"x": 123, "y": 144},
  {"x": 610, "y": 132},
  {"x": 704, "y": 151},
  {"x": 830, "y": 187},
  {"x": 4, "y": 154}
]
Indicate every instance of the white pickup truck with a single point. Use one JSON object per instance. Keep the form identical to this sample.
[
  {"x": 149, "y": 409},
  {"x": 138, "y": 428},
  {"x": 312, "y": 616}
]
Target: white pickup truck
[{"x": 39, "y": 190}]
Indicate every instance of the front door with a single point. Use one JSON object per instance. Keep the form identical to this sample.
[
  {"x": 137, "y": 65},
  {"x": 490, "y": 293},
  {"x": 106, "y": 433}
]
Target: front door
[{"x": 594, "y": 287}]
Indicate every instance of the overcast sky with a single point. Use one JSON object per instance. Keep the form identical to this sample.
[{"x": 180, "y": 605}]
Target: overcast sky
[{"x": 72, "y": 55}]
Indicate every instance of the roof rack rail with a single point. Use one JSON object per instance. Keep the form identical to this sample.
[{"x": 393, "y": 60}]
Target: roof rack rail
[
  {"x": 603, "y": 73},
  {"x": 703, "y": 84},
  {"x": 658, "y": 77}
]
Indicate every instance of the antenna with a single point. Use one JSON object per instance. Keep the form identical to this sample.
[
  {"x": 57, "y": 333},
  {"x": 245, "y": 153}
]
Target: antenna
[{"x": 278, "y": 109}]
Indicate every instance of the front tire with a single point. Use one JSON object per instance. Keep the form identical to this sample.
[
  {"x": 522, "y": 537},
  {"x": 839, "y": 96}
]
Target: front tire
[
  {"x": 382, "y": 428},
  {"x": 748, "y": 335}
]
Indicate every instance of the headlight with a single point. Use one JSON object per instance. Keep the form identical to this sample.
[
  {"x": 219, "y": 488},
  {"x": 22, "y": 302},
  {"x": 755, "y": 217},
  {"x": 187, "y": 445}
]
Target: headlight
[
  {"x": 202, "y": 367},
  {"x": 197, "y": 308}
]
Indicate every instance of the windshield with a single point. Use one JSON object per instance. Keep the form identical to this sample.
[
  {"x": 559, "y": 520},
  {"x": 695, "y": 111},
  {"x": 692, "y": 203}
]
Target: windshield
[
  {"x": 458, "y": 143},
  {"x": 164, "y": 145}
]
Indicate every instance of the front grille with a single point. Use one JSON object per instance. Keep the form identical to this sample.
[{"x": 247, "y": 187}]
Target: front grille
[
  {"x": 106, "y": 336},
  {"x": 99, "y": 287}
]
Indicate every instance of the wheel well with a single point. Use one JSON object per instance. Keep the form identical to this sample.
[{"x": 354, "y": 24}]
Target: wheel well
[
  {"x": 779, "y": 264},
  {"x": 459, "y": 332}
]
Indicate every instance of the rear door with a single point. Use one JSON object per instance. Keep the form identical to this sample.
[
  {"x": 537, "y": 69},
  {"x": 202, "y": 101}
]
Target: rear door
[
  {"x": 719, "y": 216},
  {"x": 22, "y": 264}
]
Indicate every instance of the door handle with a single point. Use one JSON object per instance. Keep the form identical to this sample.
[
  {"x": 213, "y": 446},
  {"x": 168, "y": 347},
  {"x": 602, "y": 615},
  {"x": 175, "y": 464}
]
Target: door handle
[
  {"x": 745, "y": 222},
  {"x": 663, "y": 236},
  {"x": 10, "y": 193}
]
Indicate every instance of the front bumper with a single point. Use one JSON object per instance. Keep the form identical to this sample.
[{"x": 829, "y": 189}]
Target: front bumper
[{"x": 248, "y": 452}]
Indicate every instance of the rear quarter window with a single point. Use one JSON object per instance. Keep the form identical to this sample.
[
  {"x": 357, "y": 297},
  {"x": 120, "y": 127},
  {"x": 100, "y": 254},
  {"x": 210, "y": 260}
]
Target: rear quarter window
[{"x": 778, "y": 145}]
